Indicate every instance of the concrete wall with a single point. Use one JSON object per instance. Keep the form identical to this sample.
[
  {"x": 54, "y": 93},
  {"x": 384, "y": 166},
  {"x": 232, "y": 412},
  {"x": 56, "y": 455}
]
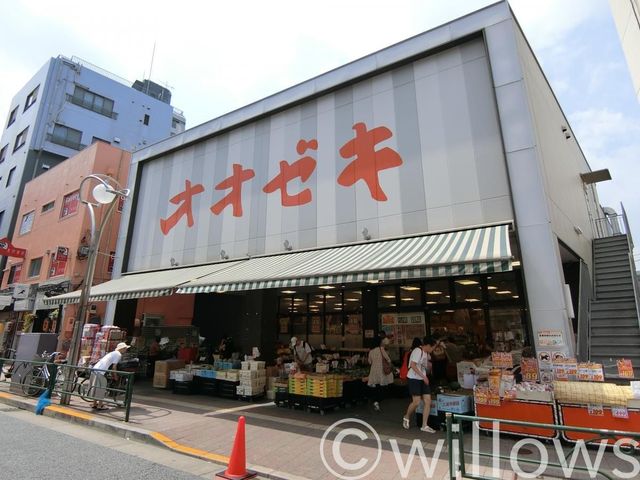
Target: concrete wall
[{"x": 626, "y": 14}]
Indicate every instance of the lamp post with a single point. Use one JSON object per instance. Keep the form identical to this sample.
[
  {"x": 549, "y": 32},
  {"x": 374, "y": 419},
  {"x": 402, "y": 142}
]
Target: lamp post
[{"x": 105, "y": 193}]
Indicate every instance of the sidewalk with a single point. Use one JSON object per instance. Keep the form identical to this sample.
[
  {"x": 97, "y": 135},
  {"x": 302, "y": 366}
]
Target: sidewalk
[{"x": 281, "y": 443}]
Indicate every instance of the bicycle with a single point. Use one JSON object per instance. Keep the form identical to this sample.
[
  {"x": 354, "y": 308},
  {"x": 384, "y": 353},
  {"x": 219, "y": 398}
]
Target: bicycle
[
  {"x": 116, "y": 386},
  {"x": 37, "y": 379}
]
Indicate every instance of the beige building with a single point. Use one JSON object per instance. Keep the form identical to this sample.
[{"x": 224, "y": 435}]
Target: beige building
[{"x": 626, "y": 14}]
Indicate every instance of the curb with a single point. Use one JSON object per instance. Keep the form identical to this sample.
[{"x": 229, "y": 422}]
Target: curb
[{"x": 140, "y": 434}]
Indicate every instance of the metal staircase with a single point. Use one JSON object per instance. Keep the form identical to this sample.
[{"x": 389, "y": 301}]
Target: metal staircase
[{"x": 614, "y": 329}]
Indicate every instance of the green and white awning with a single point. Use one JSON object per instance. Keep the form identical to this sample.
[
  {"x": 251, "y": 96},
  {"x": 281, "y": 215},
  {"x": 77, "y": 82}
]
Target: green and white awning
[
  {"x": 141, "y": 285},
  {"x": 481, "y": 250}
]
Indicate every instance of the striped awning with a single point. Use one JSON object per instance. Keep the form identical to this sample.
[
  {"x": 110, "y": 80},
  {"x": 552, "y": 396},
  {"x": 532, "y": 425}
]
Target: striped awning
[
  {"x": 466, "y": 252},
  {"x": 141, "y": 285}
]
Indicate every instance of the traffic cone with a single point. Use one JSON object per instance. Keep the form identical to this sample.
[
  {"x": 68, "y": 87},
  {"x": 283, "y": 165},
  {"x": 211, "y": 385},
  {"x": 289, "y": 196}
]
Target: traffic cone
[{"x": 237, "y": 468}]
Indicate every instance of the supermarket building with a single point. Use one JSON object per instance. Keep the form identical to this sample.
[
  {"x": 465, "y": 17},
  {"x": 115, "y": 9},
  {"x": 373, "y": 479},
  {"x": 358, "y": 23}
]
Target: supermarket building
[{"x": 433, "y": 186}]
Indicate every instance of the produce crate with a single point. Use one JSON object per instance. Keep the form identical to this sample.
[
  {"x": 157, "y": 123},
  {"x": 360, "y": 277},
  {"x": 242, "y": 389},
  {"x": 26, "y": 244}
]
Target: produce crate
[
  {"x": 227, "y": 389},
  {"x": 322, "y": 405}
]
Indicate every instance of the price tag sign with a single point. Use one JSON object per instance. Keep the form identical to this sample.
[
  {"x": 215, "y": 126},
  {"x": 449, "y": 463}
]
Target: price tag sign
[
  {"x": 625, "y": 368},
  {"x": 596, "y": 410},
  {"x": 619, "y": 412}
]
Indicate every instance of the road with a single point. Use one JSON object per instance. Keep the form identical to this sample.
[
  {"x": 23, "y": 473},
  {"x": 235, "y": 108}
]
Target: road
[{"x": 43, "y": 448}]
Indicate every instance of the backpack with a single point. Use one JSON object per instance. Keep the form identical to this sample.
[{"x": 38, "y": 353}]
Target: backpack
[{"x": 404, "y": 369}]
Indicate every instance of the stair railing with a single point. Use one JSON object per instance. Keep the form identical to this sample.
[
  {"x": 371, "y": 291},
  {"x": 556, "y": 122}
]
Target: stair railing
[{"x": 632, "y": 263}]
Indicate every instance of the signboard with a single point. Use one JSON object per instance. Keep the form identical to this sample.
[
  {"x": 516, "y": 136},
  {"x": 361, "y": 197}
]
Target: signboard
[
  {"x": 24, "y": 290},
  {"x": 8, "y": 250},
  {"x": 529, "y": 369},
  {"x": 550, "y": 338},
  {"x": 70, "y": 204},
  {"x": 625, "y": 368},
  {"x": 24, "y": 305},
  {"x": 59, "y": 262},
  {"x": 502, "y": 359},
  {"x": 310, "y": 172}
]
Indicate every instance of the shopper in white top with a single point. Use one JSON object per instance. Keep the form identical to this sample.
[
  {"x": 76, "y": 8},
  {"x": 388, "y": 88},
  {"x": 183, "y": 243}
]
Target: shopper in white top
[
  {"x": 98, "y": 380},
  {"x": 418, "y": 381}
]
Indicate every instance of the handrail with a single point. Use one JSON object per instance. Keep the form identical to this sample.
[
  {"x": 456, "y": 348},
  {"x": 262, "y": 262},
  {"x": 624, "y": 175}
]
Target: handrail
[
  {"x": 457, "y": 466},
  {"x": 632, "y": 264}
]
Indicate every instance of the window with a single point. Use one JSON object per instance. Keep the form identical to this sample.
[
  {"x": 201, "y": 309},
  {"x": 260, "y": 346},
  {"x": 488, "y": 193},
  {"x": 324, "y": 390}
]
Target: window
[
  {"x": 10, "y": 176},
  {"x": 14, "y": 273},
  {"x": 12, "y": 116},
  {"x": 3, "y": 153},
  {"x": 92, "y": 101},
  {"x": 387, "y": 297},
  {"x": 146, "y": 119},
  {"x": 112, "y": 260},
  {"x": 34, "y": 267},
  {"x": 67, "y": 137},
  {"x": 98, "y": 139},
  {"x": 48, "y": 206},
  {"x": 70, "y": 204},
  {"x": 1, "y": 217},
  {"x": 437, "y": 292},
  {"x": 31, "y": 98},
  {"x": 21, "y": 139},
  {"x": 27, "y": 222}
]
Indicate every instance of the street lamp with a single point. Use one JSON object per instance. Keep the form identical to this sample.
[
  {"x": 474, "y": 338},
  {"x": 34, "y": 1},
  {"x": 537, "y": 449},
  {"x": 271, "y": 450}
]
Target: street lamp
[{"x": 104, "y": 193}]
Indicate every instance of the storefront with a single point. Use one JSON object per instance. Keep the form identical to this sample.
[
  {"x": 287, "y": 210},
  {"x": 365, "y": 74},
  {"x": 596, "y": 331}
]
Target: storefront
[{"x": 428, "y": 188}]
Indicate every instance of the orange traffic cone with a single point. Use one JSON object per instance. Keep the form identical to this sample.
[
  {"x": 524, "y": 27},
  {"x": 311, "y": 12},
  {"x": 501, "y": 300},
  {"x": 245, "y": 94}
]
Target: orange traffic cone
[{"x": 237, "y": 468}]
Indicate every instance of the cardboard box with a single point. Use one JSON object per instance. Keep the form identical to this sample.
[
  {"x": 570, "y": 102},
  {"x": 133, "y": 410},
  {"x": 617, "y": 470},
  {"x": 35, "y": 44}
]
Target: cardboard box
[
  {"x": 165, "y": 366},
  {"x": 160, "y": 380},
  {"x": 257, "y": 365},
  {"x": 455, "y": 403}
]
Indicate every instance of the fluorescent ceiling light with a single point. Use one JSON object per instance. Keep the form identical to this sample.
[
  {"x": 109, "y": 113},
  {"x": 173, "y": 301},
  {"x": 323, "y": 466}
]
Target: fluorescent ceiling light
[
  {"x": 504, "y": 292},
  {"x": 467, "y": 282},
  {"x": 408, "y": 299},
  {"x": 326, "y": 287},
  {"x": 471, "y": 299},
  {"x": 373, "y": 281},
  {"x": 288, "y": 291},
  {"x": 330, "y": 296},
  {"x": 431, "y": 303},
  {"x": 491, "y": 287},
  {"x": 409, "y": 288},
  {"x": 434, "y": 292},
  {"x": 388, "y": 296},
  {"x": 515, "y": 296}
]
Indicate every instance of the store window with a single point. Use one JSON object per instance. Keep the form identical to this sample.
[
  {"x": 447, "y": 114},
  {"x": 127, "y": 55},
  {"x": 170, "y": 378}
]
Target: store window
[
  {"x": 333, "y": 302},
  {"x": 507, "y": 328},
  {"x": 316, "y": 330},
  {"x": 70, "y": 204},
  {"x": 468, "y": 290},
  {"x": 21, "y": 139},
  {"x": 437, "y": 292},
  {"x": 387, "y": 297},
  {"x": 333, "y": 334},
  {"x": 503, "y": 286},
  {"x": 34, "y": 267},
  {"x": 31, "y": 98},
  {"x": 353, "y": 330},
  {"x": 465, "y": 327},
  {"x": 352, "y": 300},
  {"x": 13, "y": 116},
  {"x": 27, "y": 222},
  {"x": 14, "y": 274},
  {"x": 48, "y": 207},
  {"x": 299, "y": 326},
  {"x": 316, "y": 303},
  {"x": 410, "y": 295}
]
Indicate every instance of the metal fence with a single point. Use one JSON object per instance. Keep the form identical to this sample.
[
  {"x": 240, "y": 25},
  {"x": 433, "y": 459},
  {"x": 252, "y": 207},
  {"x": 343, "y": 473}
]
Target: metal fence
[
  {"x": 457, "y": 453},
  {"x": 33, "y": 378}
]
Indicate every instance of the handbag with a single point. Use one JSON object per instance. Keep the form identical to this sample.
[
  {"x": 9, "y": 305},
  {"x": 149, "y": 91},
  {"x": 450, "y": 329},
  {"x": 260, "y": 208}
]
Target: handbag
[{"x": 386, "y": 365}]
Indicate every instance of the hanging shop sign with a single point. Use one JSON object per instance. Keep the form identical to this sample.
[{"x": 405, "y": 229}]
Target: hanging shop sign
[{"x": 8, "y": 250}]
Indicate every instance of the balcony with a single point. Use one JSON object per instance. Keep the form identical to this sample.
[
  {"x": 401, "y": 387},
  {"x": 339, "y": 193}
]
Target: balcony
[
  {"x": 65, "y": 142},
  {"x": 90, "y": 106}
]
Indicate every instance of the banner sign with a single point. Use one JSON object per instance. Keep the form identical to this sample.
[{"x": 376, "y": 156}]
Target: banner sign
[{"x": 8, "y": 250}]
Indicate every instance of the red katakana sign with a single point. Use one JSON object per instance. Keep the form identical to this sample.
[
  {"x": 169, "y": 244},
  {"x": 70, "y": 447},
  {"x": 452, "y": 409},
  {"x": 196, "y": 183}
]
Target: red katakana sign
[
  {"x": 368, "y": 161},
  {"x": 8, "y": 250}
]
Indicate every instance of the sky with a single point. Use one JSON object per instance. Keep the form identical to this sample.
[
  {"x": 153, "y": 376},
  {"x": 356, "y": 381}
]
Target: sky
[{"x": 219, "y": 56}]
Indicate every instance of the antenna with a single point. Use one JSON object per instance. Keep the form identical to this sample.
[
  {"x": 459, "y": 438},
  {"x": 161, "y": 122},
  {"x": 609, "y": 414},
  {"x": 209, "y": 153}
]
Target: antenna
[{"x": 153, "y": 53}]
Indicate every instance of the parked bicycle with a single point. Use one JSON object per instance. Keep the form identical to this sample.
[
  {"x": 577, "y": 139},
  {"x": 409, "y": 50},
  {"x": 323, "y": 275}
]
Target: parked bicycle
[{"x": 36, "y": 380}]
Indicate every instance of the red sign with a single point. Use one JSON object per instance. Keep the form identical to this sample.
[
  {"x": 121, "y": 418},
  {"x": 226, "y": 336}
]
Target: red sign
[
  {"x": 365, "y": 157},
  {"x": 625, "y": 368},
  {"x": 8, "y": 250},
  {"x": 59, "y": 262},
  {"x": 70, "y": 204}
]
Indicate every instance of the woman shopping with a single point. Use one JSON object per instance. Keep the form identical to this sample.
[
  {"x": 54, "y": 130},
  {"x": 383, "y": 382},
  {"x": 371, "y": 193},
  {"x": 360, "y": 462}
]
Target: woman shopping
[
  {"x": 381, "y": 373},
  {"x": 419, "y": 389}
]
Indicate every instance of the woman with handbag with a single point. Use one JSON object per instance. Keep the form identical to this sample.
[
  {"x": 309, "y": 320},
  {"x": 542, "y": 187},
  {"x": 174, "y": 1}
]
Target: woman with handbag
[{"x": 381, "y": 373}]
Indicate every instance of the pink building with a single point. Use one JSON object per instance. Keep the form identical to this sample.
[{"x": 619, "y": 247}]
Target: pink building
[{"x": 54, "y": 228}]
